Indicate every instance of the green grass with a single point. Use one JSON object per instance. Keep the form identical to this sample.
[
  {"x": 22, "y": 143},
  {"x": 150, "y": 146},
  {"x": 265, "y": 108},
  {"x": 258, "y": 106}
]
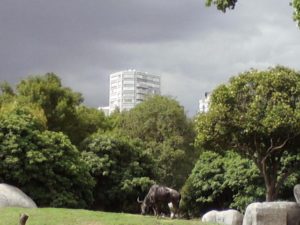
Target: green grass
[{"x": 56, "y": 216}]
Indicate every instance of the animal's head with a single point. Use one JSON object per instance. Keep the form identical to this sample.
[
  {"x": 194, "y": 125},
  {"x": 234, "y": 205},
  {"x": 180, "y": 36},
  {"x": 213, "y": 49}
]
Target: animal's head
[{"x": 144, "y": 206}]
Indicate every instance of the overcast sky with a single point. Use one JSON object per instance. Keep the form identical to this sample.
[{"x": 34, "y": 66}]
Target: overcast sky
[{"x": 192, "y": 47}]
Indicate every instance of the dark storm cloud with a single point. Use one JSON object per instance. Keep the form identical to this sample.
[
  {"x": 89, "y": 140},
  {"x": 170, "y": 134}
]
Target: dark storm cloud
[{"x": 193, "y": 48}]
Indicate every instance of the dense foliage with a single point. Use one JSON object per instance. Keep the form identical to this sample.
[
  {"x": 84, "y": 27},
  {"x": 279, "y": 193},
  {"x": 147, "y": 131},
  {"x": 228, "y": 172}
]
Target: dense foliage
[
  {"x": 65, "y": 154},
  {"x": 59, "y": 103},
  {"x": 42, "y": 163},
  {"x": 62, "y": 106},
  {"x": 121, "y": 169},
  {"x": 296, "y": 5},
  {"x": 161, "y": 123},
  {"x": 257, "y": 114},
  {"x": 87, "y": 121},
  {"x": 223, "y": 5},
  {"x": 7, "y": 93},
  {"x": 219, "y": 182}
]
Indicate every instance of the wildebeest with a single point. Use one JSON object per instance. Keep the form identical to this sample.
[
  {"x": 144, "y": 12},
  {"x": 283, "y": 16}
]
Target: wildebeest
[{"x": 158, "y": 197}]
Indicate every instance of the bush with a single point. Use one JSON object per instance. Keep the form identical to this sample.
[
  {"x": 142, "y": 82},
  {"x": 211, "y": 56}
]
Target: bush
[
  {"x": 42, "y": 163},
  {"x": 121, "y": 169},
  {"x": 219, "y": 182}
]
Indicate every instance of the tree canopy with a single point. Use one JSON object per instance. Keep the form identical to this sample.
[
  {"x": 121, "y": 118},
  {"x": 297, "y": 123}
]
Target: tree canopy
[
  {"x": 221, "y": 181},
  {"x": 61, "y": 105},
  {"x": 257, "y": 114},
  {"x": 161, "y": 123},
  {"x": 121, "y": 168},
  {"x": 223, "y": 5},
  {"x": 86, "y": 122},
  {"x": 58, "y": 102},
  {"x": 42, "y": 163}
]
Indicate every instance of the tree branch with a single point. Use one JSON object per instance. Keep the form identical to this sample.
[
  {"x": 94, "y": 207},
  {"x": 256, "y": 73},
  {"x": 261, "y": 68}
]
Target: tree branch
[
  {"x": 264, "y": 172},
  {"x": 272, "y": 149}
]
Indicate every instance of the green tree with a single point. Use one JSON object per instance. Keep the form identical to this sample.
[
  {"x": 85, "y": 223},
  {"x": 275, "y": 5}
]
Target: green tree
[
  {"x": 296, "y": 5},
  {"x": 161, "y": 123},
  {"x": 223, "y": 5},
  {"x": 86, "y": 122},
  {"x": 43, "y": 163},
  {"x": 6, "y": 88},
  {"x": 221, "y": 181},
  {"x": 59, "y": 103},
  {"x": 114, "y": 119},
  {"x": 243, "y": 178},
  {"x": 121, "y": 169},
  {"x": 7, "y": 93},
  {"x": 62, "y": 106},
  {"x": 257, "y": 114}
]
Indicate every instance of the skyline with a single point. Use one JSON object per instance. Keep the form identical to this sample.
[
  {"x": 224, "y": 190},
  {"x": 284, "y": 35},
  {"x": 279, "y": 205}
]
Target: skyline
[{"x": 193, "y": 48}]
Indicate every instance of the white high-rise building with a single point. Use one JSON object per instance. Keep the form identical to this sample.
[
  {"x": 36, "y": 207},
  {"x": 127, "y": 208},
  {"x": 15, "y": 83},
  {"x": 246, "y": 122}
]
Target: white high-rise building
[
  {"x": 130, "y": 87},
  {"x": 204, "y": 103}
]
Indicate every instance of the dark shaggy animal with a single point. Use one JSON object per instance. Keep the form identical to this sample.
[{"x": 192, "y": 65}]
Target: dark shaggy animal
[{"x": 159, "y": 197}]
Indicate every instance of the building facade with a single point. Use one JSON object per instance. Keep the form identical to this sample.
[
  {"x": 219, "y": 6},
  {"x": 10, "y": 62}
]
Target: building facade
[
  {"x": 204, "y": 103},
  {"x": 130, "y": 87}
]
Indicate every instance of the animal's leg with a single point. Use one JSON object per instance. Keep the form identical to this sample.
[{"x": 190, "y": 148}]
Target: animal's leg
[
  {"x": 171, "y": 208},
  {"x": 176, "y": 209},
  {"x": 154, "y": 211},
  {"x": 158, "y": 210},
  {"x": 172, "y": 215}
]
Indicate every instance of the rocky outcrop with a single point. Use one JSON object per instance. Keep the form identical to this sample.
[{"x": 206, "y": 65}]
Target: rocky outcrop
[{"x": 11, "y": 196}]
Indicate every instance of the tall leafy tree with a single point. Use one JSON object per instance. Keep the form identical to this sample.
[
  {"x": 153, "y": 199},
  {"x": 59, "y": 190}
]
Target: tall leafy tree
[
  {"x": 58, "y": 102},
  {"x": 121, "y": 169},
  {"x": 43, "y": 163},
  {"x": 62, "y": 106},
  {"x": 162, "y": 124},
  {"x": 223, "y": 5},
  {"x": 257, "y": 114}
]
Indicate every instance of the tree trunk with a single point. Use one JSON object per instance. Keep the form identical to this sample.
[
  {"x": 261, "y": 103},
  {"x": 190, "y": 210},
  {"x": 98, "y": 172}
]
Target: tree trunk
[
  {"x": 23, "y": 219},
  {"x": 271, "y": 194},
  {"x": 269, "y": 173}
]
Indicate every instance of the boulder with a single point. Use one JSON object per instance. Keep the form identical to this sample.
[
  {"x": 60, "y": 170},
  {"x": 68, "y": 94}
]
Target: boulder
[
  {"x": 228, "y": 217},
  {"x": 297, "y": 192},
  {"x": 272, "y": 213},
  {"x": 209, "y": 216},
  {"x": 11, "y": 196}
]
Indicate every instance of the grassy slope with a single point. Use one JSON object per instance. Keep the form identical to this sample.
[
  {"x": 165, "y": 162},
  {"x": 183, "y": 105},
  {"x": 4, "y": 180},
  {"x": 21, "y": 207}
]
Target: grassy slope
[{"x": 54, "y": 216}]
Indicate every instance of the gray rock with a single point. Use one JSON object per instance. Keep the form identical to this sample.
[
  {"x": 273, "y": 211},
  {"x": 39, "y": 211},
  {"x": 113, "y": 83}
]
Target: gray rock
[
  {"x": 272, "y": 213},
  {"x": 11, "y": 196},
  {"x": 297, "y": 192},
  {"x": 209, "y": 216},
  {"x": 228, "y": 217}
]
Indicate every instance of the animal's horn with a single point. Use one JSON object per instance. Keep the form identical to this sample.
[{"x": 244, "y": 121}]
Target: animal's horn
[{"x": 138, "y": 200}]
